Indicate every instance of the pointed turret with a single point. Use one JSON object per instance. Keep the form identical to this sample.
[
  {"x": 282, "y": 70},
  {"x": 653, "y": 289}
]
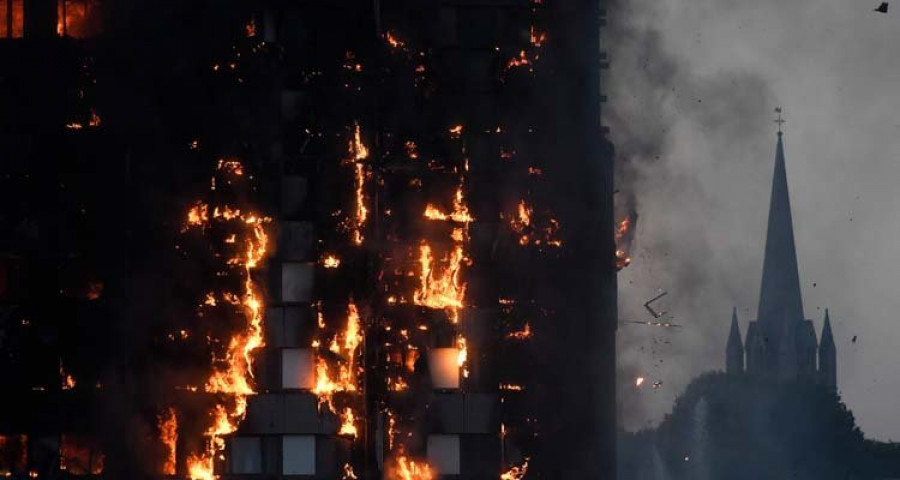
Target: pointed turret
[
  {"x": 757, "y": 353},
  {"x": 779, "y": 298},
  {"x": 827, "y": 356},
  {"x": 734, "y": 350}
]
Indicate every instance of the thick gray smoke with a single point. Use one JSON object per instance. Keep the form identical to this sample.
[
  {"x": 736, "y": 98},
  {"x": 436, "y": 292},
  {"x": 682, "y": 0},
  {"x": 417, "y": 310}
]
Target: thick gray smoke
[
  {"x": 676, "y": 131},
  {"x": 692, "y": 89}
]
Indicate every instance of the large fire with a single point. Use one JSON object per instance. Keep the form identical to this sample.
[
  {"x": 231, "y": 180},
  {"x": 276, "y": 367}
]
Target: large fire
[
  {"x": 232, "y": 373},
  {"x": 441, "y": 288},
  {"x": 344, "y": 345}
]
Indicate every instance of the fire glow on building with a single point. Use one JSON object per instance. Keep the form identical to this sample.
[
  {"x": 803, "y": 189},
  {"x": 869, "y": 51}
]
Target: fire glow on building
[{"x": 377, "y": 272}]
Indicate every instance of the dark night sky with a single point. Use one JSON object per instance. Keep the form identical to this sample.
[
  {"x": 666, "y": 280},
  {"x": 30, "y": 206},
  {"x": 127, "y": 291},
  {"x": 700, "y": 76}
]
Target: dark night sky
[{"x": 695, "y": 82}]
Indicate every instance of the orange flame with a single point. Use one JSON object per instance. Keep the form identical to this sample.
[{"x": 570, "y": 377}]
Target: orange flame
[
  {"x": 406, "y": 469},
  {"x": 68, "y": 382},
  {"x": 233, "y": 373},
  {"x": 531, "y": 232},
  {"x": 520, "y": 61},
  {"x": 167, "y": 423},
  {"x": 393, "y": 41},
  {"x": 442, "y": 290},
  {"x": 523, "y": 334},
  {"x": 347, "y": 375},
  {"x": 331, "y": 261},
  {"x": 349, "y": 474},
  {"x": 515, "y": 473},
  {"x": 348, "y": 427},
  {"x": 623, "y": 235},
  {"x": 459, "y": 214},
  {"x": 358, "y": 154}
]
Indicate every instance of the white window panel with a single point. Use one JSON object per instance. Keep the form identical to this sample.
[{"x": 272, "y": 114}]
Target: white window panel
[
  {"x": 297, "y": 282},
  {"x": 298, "y": 453},
  {"x": 443, "y": 454},
  {"x": 246, "y": 455}
]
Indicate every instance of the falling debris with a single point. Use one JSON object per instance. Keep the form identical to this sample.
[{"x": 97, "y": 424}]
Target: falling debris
[
  {"x": 650, "y": 309},
  {"x": 638, "y": 381},
  {"x": 883, "y": 8},
  {"x": 655, "y": 324},
  {"x": 853, "y": 340}
]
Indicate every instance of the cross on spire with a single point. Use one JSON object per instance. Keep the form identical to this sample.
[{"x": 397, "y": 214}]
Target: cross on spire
[{"x": 780, "y": 120}]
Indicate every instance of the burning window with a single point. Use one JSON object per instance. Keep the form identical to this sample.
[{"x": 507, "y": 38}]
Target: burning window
[
  {"x": 12, "y": 18},
  {"x": 13, "y": 454},
  {"x": 443, "y": 363},
  {"x": 79, "y": 455},
  {"x": 77, "y": 18}
]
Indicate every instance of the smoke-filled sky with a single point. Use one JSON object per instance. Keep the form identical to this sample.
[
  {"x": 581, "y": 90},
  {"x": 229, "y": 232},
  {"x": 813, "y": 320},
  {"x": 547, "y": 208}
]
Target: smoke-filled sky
[{"x": 692, "y": 89}]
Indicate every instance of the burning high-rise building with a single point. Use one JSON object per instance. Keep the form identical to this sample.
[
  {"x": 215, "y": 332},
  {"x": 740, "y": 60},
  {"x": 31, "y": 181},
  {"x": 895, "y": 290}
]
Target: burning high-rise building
[{"x": 401, "y": 263}]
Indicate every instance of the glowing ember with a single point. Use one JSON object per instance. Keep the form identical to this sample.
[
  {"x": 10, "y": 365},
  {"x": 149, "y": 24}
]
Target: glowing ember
[
  {"x": 523, "y": 334},
  {"x": 638, "y": 381},
  {"x": 349, "y": 474},
  {"x": 537, "y": 38},
  {"x": 68, "y": 382},
  {"x": 393, "y": 41},
  {"x": 331, "y": 261},
  {"x": 521, "y": 60},
  {"x": 515, "y": 473},
  {"x": 411, "y": 150}
]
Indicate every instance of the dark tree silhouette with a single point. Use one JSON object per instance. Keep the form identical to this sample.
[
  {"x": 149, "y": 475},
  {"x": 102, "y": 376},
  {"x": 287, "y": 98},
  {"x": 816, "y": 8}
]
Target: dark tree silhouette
[{"x": 752, "y": 429}]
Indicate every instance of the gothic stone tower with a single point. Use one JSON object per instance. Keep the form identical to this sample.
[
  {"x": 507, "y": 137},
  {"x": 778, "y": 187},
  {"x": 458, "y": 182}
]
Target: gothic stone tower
[{"x": 781, "y": 343}]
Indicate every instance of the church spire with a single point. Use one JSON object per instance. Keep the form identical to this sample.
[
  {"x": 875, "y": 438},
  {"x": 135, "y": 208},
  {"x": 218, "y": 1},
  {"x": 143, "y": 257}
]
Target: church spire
[
  {"x": 734, "y": 350},
  {"x": 827, "y": 356},
  {"x": 779, "y": 298}
]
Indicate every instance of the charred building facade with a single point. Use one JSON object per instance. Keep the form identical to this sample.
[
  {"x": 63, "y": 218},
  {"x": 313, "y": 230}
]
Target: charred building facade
[
  {"x": 351, "y": 240},
  {"x": 782, "y": 343}
]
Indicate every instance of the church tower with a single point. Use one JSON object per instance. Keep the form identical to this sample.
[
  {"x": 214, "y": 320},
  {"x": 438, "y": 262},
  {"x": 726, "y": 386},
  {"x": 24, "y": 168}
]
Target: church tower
[
  {"x": 781, "y": 343},
  {"x": 827, "y": 356},
  {"x": 734, "y": 351}
]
